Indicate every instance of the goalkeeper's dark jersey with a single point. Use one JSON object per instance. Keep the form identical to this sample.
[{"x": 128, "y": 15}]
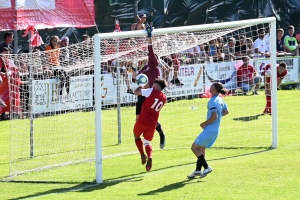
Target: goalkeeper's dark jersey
[{"x": 151, "y": 70}]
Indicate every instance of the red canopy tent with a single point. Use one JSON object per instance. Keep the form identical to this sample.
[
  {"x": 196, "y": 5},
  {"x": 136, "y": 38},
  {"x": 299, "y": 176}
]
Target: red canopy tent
[{"x": 19, "y": 14}]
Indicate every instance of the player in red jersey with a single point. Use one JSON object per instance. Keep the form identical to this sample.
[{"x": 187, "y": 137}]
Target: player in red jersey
[
  {"x": 148, "y": 118},
  {"x": 152, "y": 72},
  {"x": 281, "y": 73}
]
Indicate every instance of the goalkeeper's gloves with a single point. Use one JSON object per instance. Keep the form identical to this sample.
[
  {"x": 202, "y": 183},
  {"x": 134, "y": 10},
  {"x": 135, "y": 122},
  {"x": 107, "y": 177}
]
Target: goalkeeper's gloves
[{"x": 149, "y": 29}]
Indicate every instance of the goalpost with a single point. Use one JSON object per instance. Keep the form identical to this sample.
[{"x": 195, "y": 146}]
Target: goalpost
[
  {"x": 82, "y": 112},
  {"x": 210, "y": 28}
]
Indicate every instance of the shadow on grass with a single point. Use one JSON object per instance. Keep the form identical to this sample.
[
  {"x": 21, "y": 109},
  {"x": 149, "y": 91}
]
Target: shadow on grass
[
  {"x": 173, "y": 186},
  {"x": 248, "y": 118},
  {"x": 90, "y": 187},
  {"x": 82, "y": 187}
]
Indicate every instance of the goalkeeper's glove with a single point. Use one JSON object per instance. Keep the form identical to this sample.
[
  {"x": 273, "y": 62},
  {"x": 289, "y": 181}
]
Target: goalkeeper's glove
[{"x": 149, "y": 29}]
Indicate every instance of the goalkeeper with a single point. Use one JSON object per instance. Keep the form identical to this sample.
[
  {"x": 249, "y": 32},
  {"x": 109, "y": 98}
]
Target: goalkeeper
[
  {"x": 281, "y": 73},
  {"x": 152, "y": 72}
]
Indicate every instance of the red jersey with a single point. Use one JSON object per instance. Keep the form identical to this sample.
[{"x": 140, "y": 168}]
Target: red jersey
[
  {"x": 151, "y": 107},
  {"x": 245, "y": 73},
  {"x": 279, "y": 76},
  {"x": 151, "y": 70}
]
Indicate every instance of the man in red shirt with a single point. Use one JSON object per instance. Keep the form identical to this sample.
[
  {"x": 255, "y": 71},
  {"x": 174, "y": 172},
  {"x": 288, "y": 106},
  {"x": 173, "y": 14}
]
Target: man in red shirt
[
  {"x": 245, "y": 77},
  {"x": 281, "y": 73},
  {"x": 152, "y": 72},
  {"x": 148, "y": 118}
]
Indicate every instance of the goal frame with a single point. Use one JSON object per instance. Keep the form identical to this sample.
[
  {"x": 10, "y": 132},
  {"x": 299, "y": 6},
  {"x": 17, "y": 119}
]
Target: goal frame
[{"x": 139, "y": 33}]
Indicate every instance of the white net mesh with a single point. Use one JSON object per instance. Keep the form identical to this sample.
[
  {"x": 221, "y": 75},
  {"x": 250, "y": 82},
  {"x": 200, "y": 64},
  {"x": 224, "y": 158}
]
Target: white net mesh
[{"x": 52, "y": 110}]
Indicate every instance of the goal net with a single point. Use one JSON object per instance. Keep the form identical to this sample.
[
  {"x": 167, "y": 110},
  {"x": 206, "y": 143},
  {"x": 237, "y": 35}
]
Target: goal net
[{"x": 70, "y": 118}]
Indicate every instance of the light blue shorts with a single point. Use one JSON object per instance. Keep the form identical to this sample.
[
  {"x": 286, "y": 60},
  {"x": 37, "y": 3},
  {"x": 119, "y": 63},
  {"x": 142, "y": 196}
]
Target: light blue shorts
[{"x": 206, "y": 138}]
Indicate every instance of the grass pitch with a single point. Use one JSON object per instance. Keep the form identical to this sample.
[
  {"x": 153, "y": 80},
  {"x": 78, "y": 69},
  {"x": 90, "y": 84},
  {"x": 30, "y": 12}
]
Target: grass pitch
[{"x": 244, "y": 165}]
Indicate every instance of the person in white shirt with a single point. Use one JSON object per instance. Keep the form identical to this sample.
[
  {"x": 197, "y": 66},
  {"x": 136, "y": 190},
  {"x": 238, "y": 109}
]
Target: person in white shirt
[
  {"x": 260, "y": 49},
  {"x": 267, "y": 39}
]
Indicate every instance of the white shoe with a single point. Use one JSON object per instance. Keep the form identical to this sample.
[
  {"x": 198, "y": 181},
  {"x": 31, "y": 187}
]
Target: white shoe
[
  {"x": 206, "y": 171},
  {"x": 195, "y": 173},
  {"x": 70, "y": 98},
  {"x": 61, "y": 99}
]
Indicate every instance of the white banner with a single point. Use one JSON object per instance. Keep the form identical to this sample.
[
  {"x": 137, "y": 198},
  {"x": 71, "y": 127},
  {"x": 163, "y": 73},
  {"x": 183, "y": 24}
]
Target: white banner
[
  {"x": 191, "y": 76},
  {"x": 35, "y": 4},
  {"x": 46, "y": 96},
  {"x": 5, "y": 4},
  {"x": 292, "y": 63}
]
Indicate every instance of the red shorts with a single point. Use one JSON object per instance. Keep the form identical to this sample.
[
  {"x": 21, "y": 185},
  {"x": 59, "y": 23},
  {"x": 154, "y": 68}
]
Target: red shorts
[{"x": 140, "y": 129}]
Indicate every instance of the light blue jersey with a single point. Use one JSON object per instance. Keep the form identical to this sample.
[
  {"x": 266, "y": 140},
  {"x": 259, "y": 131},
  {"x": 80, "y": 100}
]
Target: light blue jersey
[{"x": 211, "y": 131}]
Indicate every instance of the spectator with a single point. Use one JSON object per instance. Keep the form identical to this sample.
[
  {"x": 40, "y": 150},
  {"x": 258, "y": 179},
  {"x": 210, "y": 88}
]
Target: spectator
[
  {"x": 290, "y": 42},
  {"x": 229, "y": 49},
  {"x": 4, "y": 89},
  {"x": 200, "y": 52},
  {"x": 240, "y": 46},
  {"x": 64, "y": 56},
  {"x": 53, "y": 63},
  {"x": 8, "y": 39},
  {"x": 87, "y": 48},
  {"x": 141, "y": 19},
  {"x": 279, "y": 41},
  {"x": 260, "y": 49},
  {"x": 176, "y": 66},
  {"x": 54, "y": 51},
  {"x": 267, "y": 38},
  {"x": 85, "y": 37},
  {"x": 297, "y": 35},
  {"x": 9, "y": 91},
  {"x": 220, "y": 43},
  {"x": 245, "y": 77},
  {"x": 249, "y": 44},
  {"x": 214, "y": 51}
]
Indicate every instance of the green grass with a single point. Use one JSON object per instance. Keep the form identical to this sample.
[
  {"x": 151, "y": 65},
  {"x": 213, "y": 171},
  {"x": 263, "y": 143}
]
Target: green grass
[{"x": 244, "y": 165}]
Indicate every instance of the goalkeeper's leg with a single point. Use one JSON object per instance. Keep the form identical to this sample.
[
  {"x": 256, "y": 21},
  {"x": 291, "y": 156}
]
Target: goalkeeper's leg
[{"x": 161, "y": 135}]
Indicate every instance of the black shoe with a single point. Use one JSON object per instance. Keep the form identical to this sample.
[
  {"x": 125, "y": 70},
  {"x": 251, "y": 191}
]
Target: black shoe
[
  {"x": 4, "y": 117},
  {"x": 176, "y": 81},
  {"x": 149, "y": 164}
]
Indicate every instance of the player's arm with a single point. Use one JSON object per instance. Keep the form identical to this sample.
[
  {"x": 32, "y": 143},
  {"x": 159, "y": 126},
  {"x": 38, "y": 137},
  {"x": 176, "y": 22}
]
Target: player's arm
[
  {"x": 143, "y": 92},
  {"x": 138, "y": 91},
  {"x": 152, "y": 60},
  {"x": 279, "y": 82},
  {"x": 225, "y": 110},
  {"x": 213, "y": 117}
]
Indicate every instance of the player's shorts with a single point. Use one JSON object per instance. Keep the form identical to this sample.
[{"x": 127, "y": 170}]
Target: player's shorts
[
  {"x": 206, "y": 139},
  {"x": 139, "y": 104},
  {"x": 139, "y": 129}
]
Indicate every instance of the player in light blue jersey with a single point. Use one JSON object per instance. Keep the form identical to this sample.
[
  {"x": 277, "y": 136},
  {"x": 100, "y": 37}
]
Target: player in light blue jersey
[{"x": 216, "y": 109}]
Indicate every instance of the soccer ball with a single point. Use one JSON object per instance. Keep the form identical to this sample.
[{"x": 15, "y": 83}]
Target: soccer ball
[{"x": 141, "y": 80}]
